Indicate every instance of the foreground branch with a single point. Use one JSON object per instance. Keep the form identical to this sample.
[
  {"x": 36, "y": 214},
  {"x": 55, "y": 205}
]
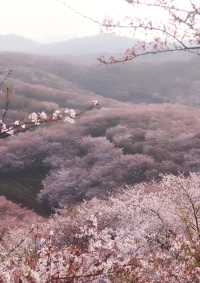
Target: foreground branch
[
  {"x": 130, "y": 57},
  {"x": 39, "y": 119}
]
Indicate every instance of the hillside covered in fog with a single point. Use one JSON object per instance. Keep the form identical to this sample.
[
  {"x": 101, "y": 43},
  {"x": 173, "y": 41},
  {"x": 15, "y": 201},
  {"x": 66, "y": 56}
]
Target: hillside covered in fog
[
  {"x": 133, "y": 82},
  {"x": 136, "y": 135}
]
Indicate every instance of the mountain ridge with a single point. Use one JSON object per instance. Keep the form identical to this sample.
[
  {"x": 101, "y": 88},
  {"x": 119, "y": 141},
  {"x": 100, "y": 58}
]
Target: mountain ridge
[{"x": 78, "y": 46}]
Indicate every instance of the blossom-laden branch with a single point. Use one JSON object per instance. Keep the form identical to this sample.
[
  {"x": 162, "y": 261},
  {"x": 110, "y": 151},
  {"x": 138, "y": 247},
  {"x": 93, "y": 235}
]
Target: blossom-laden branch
[
  {"x": 177, "y": 30},
  {"x": 37, "y": 119},
  {"x": 131, "y": 55}
]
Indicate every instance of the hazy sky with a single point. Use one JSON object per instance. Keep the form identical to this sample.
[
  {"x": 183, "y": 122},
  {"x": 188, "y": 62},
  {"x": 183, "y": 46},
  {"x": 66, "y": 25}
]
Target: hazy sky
[{"x": 47, "y": 20}]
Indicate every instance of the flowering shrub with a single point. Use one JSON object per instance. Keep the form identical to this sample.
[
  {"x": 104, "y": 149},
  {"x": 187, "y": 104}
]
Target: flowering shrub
[{"x": 149, "y": 233}]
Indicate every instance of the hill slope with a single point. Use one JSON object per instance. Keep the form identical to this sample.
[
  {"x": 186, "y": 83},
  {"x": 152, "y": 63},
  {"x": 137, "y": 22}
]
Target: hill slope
[{"x": 136, "y": 82}]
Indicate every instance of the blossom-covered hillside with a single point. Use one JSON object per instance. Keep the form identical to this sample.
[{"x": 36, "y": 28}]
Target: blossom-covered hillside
[{"x": 64, "y": 164}]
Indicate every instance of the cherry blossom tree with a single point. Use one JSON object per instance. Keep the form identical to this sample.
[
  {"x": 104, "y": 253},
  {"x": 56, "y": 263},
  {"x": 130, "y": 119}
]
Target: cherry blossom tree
[
  {"x": 150, "y": 233},
  {"x": 171, "y": 25}
]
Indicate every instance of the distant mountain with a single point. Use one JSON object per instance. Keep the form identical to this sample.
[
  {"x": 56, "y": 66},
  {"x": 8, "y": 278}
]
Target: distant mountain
[
  {"x": 15, "y": 43},
  {"x": 102, "y": 43},
  {"x": 82, "y": 51},
  {"x": 99, "y": 44}
]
